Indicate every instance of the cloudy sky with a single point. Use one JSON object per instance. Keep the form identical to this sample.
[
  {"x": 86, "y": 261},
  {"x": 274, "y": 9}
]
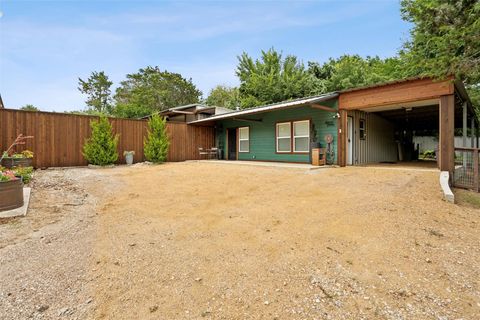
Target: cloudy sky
[{"x": 46, "y": 45}]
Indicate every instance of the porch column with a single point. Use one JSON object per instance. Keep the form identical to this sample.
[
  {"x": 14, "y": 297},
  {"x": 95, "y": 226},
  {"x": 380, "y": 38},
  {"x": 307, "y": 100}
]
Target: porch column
[
  {"x": 341, "y": 141},
  {"x": 446, "y": 133}
]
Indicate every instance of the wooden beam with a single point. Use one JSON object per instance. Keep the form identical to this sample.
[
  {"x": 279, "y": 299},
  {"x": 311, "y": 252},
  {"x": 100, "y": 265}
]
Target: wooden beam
[
  {"x": 325, "y": 108},
  {"x": 446, "y": 133},
  {"x": 395, "y": 93},
  {"x": 182, "y": 112},
  {"x": 341, "y": 139},
  {"x": 247, "y": 120}
]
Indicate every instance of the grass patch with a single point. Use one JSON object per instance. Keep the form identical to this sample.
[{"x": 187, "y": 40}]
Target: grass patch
[{"x": 468, "y": 198}]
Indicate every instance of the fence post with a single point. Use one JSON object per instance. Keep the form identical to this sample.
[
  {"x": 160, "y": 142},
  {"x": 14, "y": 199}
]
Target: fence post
[{"x": 475, "y": 169}]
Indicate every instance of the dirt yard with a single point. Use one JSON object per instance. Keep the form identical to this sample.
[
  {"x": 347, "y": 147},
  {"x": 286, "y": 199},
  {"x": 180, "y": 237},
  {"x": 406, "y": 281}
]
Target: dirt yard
[{"x": 203, "y": 240}]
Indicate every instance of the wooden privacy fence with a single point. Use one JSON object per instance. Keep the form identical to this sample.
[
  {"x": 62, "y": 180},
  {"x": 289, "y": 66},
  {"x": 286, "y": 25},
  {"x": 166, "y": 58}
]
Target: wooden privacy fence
[{"x": 59, "y": 137}]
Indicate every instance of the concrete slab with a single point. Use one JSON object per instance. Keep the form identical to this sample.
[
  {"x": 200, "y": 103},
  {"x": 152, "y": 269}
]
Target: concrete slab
[
  {"x": 304, "y": 166},
  {"x": 22, "y": 211}
]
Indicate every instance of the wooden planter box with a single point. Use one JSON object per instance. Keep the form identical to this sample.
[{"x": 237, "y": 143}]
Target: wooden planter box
[
  {"x": 16, "y": 162},
  {"x": 11, "y": 194}
]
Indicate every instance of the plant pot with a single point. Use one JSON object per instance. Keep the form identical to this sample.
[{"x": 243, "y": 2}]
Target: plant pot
[
  {"x": 11, "y": 194},
  {"x": 16, "y": 162},
  {"x": 129, "y": 158}
]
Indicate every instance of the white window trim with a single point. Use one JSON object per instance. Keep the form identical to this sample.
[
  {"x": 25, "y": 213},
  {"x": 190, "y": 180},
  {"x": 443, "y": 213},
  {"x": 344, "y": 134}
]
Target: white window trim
[
  {"x": 302, "y": 136},
  {"x": 278, "y": 138},
  {"x": 240, "y": 139}
]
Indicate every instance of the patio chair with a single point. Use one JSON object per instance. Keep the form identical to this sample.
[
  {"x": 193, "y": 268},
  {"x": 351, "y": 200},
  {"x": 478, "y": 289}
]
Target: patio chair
[
  {"x": 213, "y": 152},
  {"x": 203, "y": 152}
]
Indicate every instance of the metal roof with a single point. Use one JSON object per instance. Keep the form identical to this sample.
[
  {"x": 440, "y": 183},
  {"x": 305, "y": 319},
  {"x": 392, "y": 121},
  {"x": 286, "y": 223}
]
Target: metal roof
[{"x": 269, "y": 107}]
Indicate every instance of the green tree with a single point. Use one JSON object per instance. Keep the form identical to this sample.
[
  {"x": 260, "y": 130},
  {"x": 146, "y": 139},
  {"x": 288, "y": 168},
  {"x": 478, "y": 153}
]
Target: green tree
[
  {"x": 444, "y": 41},
  {"x": 156, "y": 143},
  {"x": 29, "y": 107},
  {"x": 151, "y": 90},
  {"x": 223, "y": 96},
  {"x": 272, "y": 79},
  {"x": 101, "y": 148},
  {"x": 350, "y": 71},
  {"x": 97, "y": 89}
]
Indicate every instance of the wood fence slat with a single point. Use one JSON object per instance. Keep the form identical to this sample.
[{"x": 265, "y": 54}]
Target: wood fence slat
[{"x": 59, "y": 138}]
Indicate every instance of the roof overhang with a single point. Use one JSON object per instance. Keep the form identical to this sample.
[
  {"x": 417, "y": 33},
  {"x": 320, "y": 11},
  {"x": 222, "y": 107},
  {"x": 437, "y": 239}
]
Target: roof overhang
[{"x": 272, "y": 107}]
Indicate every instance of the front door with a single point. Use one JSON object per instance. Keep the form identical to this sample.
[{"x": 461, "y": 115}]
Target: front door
[
  {"x": 232, "y": 144},
  {"x": 350, "y": 141}
]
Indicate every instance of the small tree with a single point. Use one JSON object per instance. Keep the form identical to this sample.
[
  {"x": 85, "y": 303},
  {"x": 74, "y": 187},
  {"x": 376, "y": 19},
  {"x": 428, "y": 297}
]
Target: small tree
[
  {"x": 101, "y": 148},
  {"x": 156, "y": 144}
]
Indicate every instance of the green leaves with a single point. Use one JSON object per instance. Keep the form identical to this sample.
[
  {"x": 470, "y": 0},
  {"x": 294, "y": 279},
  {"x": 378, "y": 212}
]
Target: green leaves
[
  {"x": 97, "y": 89},
  {"x": 156, "y": 144},
  {"x": 223, "y": 96},
  {"x": 101, "y": 148},
  {"x": 151, "y": 90},
  {"x": 272, "y": 79}
]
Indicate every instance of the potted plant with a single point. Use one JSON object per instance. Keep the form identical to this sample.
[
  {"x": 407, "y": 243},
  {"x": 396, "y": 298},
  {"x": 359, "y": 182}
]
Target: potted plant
[
  {"x": 313, "y": 137},
  {"x": 128, "y": 156},
  {"x": 11, "y": 191},
  {"x": 10, "y": 159},
  {"x": 22, "y": 159}
]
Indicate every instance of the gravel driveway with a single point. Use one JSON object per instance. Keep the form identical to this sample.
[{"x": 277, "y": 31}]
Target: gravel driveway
[{"x": 203, "y": 240}]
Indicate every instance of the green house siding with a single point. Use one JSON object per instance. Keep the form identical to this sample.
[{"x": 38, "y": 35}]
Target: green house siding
[{"x": 262, "y": 134}]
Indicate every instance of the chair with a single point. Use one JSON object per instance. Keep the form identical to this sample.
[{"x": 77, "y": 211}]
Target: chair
[{"x": 203, "y": 152}]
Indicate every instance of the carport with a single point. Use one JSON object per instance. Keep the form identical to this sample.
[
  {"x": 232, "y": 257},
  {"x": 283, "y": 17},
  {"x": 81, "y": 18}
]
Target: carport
[{"x": 377, "y": 123}]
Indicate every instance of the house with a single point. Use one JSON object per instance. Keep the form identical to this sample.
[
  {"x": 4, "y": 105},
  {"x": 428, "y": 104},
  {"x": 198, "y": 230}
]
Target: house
[
  {"x": 360, "y": 126},
  {"x": 191, "y": 112}
]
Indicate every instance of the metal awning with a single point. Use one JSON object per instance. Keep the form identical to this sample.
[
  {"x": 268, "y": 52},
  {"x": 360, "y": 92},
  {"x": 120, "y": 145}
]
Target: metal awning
[{"x": 270, "y": 107}]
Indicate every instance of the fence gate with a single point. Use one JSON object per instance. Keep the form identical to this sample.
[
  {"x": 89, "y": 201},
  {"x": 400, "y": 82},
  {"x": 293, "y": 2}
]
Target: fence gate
[{"x": 465, "y": 174}]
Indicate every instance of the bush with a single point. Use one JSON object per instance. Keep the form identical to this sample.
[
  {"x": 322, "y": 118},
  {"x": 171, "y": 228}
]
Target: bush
[
  {"x": 101, "y": 148},
  {"x": 23, "y": 172},
  {"x": 156, "y": 144}
]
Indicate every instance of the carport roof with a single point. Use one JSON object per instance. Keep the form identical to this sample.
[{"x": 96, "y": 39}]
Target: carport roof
[{"x": 270, "y": 107}]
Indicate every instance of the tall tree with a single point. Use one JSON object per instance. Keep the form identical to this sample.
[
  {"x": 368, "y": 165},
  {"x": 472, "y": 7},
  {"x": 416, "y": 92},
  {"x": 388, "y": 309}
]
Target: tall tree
[
  {"x": 223, "y": 96},
  {"x": 445, "y": 37},
  {"x": 272, "y": 78},
  {"x": 350, "y": 71},
  {"x": 150, "y": 90},
  {"x": 97, "y": 89}
]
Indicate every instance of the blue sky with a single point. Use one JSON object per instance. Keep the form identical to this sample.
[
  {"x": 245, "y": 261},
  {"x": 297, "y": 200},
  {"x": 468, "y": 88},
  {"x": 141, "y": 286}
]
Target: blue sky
[{"x": 46, "y": 45}]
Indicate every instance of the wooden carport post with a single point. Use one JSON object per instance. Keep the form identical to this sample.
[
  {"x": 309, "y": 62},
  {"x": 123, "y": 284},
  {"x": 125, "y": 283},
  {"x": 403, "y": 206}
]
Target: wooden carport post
[
  {"x": 342, "y": 141},
  {"x": 446, "y": 149}
]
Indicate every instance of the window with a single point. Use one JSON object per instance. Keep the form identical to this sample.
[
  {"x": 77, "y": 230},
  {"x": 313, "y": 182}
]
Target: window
[
  {"x": 361, "y": 129},
  {"x": 284, "y": 137},
  {"x": 301, "y": 136},
  {"x": 294, "y": 135},
  {"x": 244, "y": 139}
]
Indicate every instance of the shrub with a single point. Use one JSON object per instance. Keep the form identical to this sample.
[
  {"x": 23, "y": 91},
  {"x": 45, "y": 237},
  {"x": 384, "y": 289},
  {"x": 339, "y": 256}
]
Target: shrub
[
  {"x": 156, "y": 144},
  {"x": 101, "y": 148},
  {"x": 23, "y": 172}
]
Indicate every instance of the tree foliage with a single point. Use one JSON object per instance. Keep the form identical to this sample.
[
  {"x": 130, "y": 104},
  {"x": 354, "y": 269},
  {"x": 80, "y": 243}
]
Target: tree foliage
[
  {"x": 101, "y": 148},
  {"x": 223, "y": 96},
  {"x": 97, "y": 89},
  {"x": 350, "y": 71},
  {"x": 151, "y": 90},
  {"x": 156, "y": 143},
  {"x": 29, "y": 107},
  {"x": 272, "y": 78},
  {"x": 444, "y": 40}
]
